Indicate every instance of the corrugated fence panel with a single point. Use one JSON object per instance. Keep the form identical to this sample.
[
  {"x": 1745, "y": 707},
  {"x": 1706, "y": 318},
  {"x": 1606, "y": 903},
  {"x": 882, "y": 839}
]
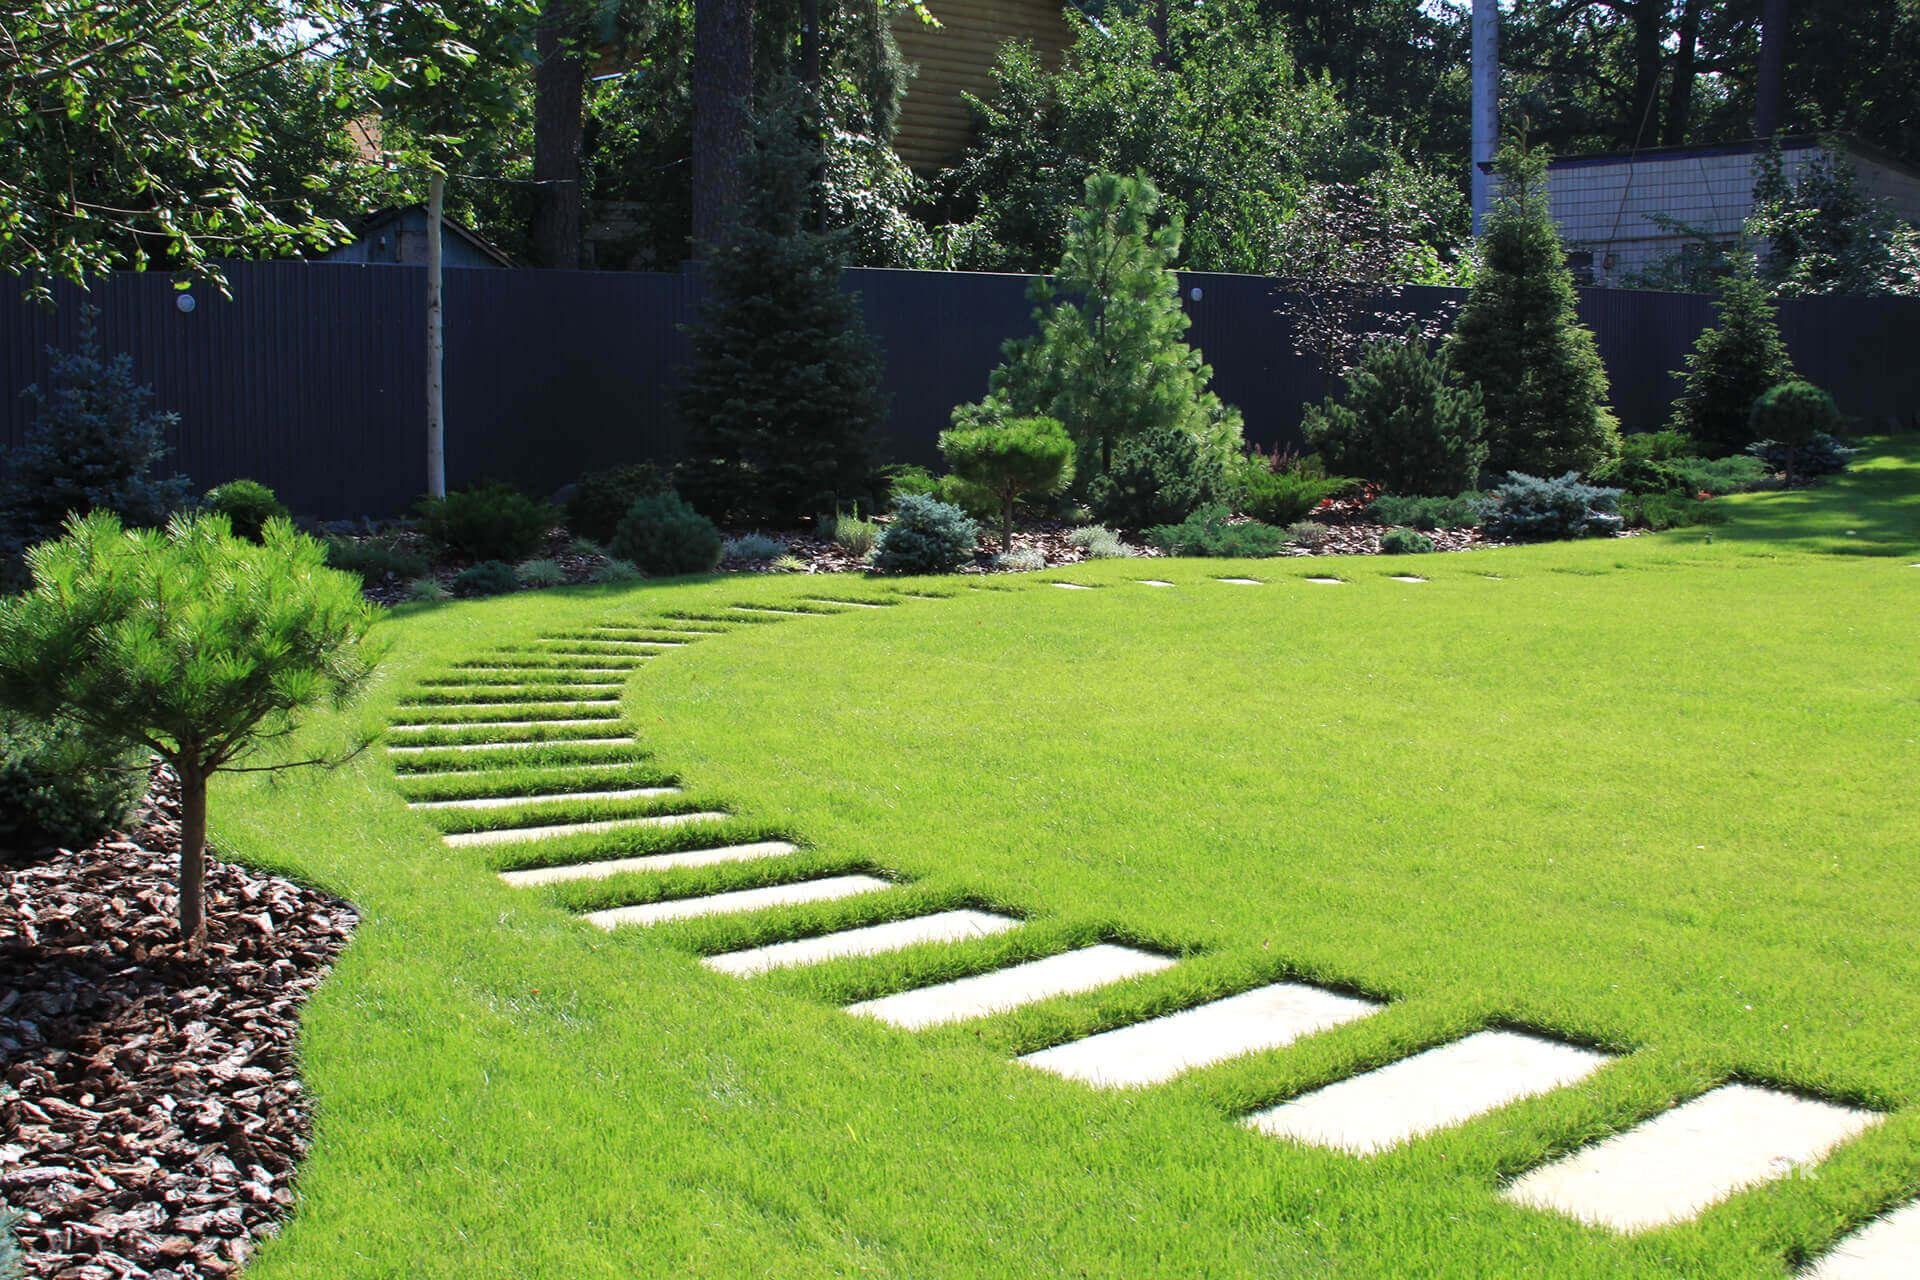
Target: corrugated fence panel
[{"x": 312, "y": 377}]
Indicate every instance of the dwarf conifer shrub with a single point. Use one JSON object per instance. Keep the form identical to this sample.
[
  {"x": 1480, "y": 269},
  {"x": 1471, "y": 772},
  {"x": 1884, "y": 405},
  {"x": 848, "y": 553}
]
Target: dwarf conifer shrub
[
  {"x": 1280, "y": 497},
  {"x": 488, "y": 522},
  {"x": 664, "y": 537},
  {"x": 488, "y": 578},
  {"x": 193, "y": 643},
  {"x": 1793, "y": 416},
  {"x": 1732, "y": 364},
  {"x": 752, "y": 546},
  {"x": 247, "y": 505},
  {"x": 1405, "y": 422},
  {"x": 63, "y": 785},
  {"x": 374, "y": 560},
  {"x": 1210, "y": 532},
  {"x": 1404, "y": 542},
  {"x": 1160, "y": 476},
  {"x": 1532, "y": 509},
  {"x": 601, "y": 499},
  {"x": 539, "y": 573},
  {"x": 925, "y": 536},
  {"x": 1012, "y": 459},
  {"x": 1462, "y": 512},
  {"x": 615, "y": 571}
]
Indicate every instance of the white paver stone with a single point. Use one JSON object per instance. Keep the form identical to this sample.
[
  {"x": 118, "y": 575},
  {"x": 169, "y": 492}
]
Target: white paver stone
[
  {"x": 1406, "y": 577},
  {"x": 1073, "y": 586},
  {"x": 1329, "y": 582},
  {"x": 1161, "y": 1048},
  {"x": 895, "y": 935},
  {"x": 1885, "y": 1249},
  {"x": 1155, "y": 582},
  {"x": 507, "y": 802},
  {"x": 513, "y": 835},
  {"x": 739, "y": 900},
  {"x": 1065, "y": 974},
  {"x": 1679, "y": 1163},
  {"x": 1242, "y": 582},
  {"x": 572, "y": 722},
  {"x": 602, "y": 870},
  {"x": 511, "y": 746},
  {"x": 1429, "y": 1091}
]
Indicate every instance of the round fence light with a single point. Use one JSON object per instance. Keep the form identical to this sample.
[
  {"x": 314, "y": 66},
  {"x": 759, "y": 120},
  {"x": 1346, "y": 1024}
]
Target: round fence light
[
  {"x": 185, "y": 302},
  {"x": 1195, "y": 293}
]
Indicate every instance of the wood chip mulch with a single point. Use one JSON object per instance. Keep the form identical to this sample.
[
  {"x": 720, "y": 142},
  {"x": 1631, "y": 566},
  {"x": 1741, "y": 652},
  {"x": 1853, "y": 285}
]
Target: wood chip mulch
[{"x": 151, "y": 1114}]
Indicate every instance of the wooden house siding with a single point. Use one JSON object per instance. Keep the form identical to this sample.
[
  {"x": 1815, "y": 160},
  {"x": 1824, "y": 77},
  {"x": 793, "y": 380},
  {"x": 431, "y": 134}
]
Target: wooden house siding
[{"x": 957, "y": 57}]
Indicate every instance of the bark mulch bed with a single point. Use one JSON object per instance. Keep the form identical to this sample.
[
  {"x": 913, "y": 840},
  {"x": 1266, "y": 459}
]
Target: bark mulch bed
[{"x": 151, "y": 1112}]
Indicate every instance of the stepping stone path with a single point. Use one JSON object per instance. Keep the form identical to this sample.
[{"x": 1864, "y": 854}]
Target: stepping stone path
[
  {"x": 1684, "y": 1160},
  {"x": 1406, "y": 577},
  {"x": 1329, "y": 582},
  {"x": 1066, "y": 974},
  {"x": 1885, "y": 1249},
  {"x": 1154, "y": 582},
  {"x": 719, "y": 904},
  {"x": 895, "y": 935},
  {"x": 1161, "y": 1048},
  {"x": 1242, "y": 582},
  {"x": 1665, "y": 1170},
  {"x": 1073, "y": 586},
  {"x": 1433, "y": 1090}
]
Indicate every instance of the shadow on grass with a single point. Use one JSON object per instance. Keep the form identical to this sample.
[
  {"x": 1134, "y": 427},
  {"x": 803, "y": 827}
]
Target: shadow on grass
[{"x": 1871, "y": 510}]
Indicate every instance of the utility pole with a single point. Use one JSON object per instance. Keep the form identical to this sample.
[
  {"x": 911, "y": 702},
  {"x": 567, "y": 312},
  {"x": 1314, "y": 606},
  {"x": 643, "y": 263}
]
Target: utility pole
[
  {"x": 1486, "y": 102},
  {"x": 1773, "y": 55}
]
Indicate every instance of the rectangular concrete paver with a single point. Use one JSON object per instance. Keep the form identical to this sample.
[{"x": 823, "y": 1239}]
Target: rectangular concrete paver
[
  {"x": 717, "y": 904},
  {"x": 1242, "y": 582},
  {"x": 1677, "y": 1164},
  {"x": 1886, "y": 1249},
  {"x": 511, "y": 746},
  {"x": 1429, "y": 1091},
  {"x": 1406, "y": 577},
  {"x": 507, "y": 802},
  {"x": 1161, "y": 1048},
  {"x": 1073, "y": 586},
  {"x": 571, "y": 722},
  {"x": 1155, "y": 582},
  {"x": 1329, "y": 582},
  {"x": 513, "y": 835},
  {"x": 944, "y": 926},
  {"x": 988, "y": 993},
  {"x": 610, "y": 867}
]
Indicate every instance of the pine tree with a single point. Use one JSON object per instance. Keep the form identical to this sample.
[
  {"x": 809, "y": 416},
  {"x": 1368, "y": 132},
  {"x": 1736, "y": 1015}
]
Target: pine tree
[
  {"x": 783, "y": 397},
  {"x": 1732, "y": 362},
  {"x": 1520, "y": 338},
  {"x": 1109, "y": 360},
  {"x": 93, "y": 446}
]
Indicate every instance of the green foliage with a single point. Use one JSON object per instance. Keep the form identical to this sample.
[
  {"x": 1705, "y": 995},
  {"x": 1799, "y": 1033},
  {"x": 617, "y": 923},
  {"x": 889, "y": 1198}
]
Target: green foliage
[
  {"x": 62, "y": 785},
  {"x": 1158, "y": 477},
  {"x": 1633, "y": 474},
  {"x": 1278, "y": 497},
  {"x": 1097, "y": 542},
  {"x": 1307, "y": 533},
  {"x": 1404, "y": 542},
  {"x": 977, "y": 502},
  {"x": 193, "y": 642},
  {"x": 94, "y": 444},
  {"x": 752, "y": 546},
  {"x": 487, "y": 522},
  {"x": 1532, "y": 509},
  {"x": 1406, "y": 423},
  {"x": 427, "y": 591},
  {"x": 1012, "y": 459},
  {"x": 1210, "y": 532},
  {"x": 1020, "y": 560},
  {"x": 1108, "y": 359},
  {"x": 664, "y": 536},
  {"x": 783, "y": 397},
  {"x": 539, "y": 573},
  {"x": 1737, "y": 474},
  {"x": 1732, "y": 362},
  {"x": 1462, "y": 512},
  {"x": 487, "y": 578},
  {"x": 1825, "y": 235},
  {"x": 602, "y": 498},
  {"x": 247, "y": 505},
  {"x": 908, "y": 479},
  {"x": 1793, "y": 413},
  {"x": 1821, "y": 456},
  {"x": 1659, "y": 446},
  {"x": 1219, "y": 117},
  {"x": 1519, "y": 337},
  {"x": 925, "y": 536},
  {"x": 1657, "y": 511},
  {"x": 374, "y": 559},
  {"x": 616, "y": 571},
  {"x": 853, "y": 535}
]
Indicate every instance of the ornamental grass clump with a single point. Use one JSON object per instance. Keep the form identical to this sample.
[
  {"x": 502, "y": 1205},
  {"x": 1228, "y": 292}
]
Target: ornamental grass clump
[{"x": 200, "y": 646}]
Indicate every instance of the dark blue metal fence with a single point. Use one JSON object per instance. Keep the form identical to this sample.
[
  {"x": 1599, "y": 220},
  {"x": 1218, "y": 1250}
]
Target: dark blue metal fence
[{"x": 311, "y": 378}]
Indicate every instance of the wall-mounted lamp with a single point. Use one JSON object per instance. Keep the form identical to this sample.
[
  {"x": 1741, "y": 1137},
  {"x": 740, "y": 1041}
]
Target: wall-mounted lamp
[
  {"x": 184, "y": 303},
  {"x": 1195, "y": 293}
]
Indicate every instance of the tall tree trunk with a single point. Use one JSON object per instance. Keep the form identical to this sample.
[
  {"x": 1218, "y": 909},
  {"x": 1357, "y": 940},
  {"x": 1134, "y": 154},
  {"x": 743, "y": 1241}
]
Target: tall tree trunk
[
  {"x": 810, "y": 45},
  {"x": 1768, "y": 101},
  {"x": 1680, "y": 92},
  {"x": 436, "y": 343},
  {"x": 1642, "y": 123},
  {"x": 559, "y": 89},
  {"x": 722, "y": 125},
  {"x": 1162, "y": 40},
  {"x": 193, "y": 853}
]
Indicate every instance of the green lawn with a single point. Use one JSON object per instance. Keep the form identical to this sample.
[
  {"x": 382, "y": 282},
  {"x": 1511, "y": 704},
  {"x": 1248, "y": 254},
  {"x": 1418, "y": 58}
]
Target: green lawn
[{"x": 1654, "y": 795}]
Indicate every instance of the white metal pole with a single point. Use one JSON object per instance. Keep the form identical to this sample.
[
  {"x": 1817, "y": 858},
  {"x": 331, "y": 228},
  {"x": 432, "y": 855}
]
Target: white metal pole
[{"x": 1486, "y": 101}]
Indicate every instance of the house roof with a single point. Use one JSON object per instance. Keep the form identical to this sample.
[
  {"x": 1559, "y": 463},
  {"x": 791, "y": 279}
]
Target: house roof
[
  {"x": 1741, "y": 147},
  {"x": 380, "y": 219}
]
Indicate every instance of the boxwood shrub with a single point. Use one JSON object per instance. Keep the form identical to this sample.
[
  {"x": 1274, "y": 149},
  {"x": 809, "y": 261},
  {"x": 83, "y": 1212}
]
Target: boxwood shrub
[{"x": 664, "y": 537}]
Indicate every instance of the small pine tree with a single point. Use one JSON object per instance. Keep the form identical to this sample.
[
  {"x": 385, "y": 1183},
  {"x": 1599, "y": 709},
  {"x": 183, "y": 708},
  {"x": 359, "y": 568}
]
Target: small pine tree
[
  {"x": 783, "y": 397},
  {"x": 1011, "y": 459},
  {"x": 1407, "y": 423},
  {"x": 191, "y": 642},
  {"x": 1109, "y": 360},
  {"x": 1520, "y": 338},
  {"x": 93, "y": 446},
  {"x": 1731, "y": 364}
]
